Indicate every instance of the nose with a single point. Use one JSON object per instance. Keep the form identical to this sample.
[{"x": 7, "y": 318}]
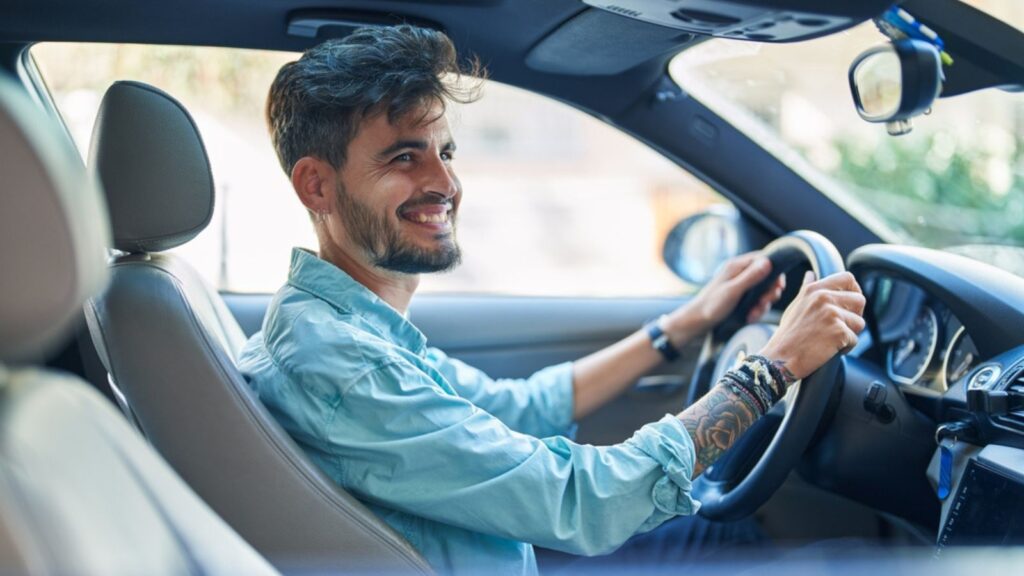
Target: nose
[{"x": 441, "y": 179}]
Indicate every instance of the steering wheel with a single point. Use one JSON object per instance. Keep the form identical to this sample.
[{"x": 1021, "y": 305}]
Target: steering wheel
[{"x": 753, "y": 469}]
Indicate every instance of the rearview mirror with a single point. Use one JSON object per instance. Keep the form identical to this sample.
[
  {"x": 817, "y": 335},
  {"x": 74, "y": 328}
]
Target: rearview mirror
[
  {"x": 894, "y": 82},
  {"x": 698, "y": 245}
]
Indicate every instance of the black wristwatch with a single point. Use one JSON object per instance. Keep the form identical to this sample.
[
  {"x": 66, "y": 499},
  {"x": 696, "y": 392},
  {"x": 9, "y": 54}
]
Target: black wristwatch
[{"x": 660, "y": 341}]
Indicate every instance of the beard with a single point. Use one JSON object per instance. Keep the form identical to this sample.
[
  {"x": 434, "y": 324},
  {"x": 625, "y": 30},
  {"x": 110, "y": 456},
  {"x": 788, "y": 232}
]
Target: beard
[{"x": 381, "y": 241}]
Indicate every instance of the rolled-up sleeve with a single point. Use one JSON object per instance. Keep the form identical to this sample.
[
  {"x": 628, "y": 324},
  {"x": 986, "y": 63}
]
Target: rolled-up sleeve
[
  {"x": 670, "y": 444},
  {"x": 540, "y": 405},
  {"x": 401, "y": 441}
]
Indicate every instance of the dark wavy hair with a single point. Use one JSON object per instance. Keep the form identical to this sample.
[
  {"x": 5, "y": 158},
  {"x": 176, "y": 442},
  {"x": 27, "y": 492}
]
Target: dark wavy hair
[{"x": 317, "y": 103}]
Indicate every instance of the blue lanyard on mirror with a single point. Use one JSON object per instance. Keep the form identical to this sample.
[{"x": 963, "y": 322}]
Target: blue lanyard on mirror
[{"x": 897, "y": 24}]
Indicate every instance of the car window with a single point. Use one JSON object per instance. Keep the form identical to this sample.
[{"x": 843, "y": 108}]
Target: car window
[{"x": 556, "y": 203}]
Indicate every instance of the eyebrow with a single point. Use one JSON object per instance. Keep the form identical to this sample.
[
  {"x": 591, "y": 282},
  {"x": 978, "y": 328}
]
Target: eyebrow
[{"x": 448, "y": 146}]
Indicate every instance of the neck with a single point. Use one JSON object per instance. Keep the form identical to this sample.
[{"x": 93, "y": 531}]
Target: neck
[{"x": 392, "y": 287}]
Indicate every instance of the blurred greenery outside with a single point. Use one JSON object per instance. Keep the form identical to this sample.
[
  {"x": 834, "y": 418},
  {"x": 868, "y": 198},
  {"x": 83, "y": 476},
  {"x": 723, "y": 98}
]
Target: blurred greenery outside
[
  {"x": 954, "y": 191},
  {"x": 955, "y": 182},
  {"x": 935, "y": 187}
]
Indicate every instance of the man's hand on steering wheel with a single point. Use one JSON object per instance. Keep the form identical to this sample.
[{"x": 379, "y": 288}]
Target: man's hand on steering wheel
[
  {"x": 719, "y": 297},
  {"x": 823, "y": 320},
  {"x": 748, "y": 430}
]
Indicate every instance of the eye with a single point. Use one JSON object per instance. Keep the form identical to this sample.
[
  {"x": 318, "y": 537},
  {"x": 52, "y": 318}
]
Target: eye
[
  {"x": 448, "y": 156},
  {"x": 407, "y": 157}
]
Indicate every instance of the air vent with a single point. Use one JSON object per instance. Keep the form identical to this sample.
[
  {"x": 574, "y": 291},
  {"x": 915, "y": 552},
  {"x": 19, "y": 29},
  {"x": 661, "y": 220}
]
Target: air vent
[
  {"x": 623, "y": 11},
  {"x": 1017, "y": 384},
  {"x": 1014, "y": 420}
]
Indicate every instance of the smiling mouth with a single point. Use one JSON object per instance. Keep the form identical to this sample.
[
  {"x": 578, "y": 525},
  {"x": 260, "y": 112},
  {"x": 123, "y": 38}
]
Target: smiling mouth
[
  {"x": 428, "y": 214},
  {"x": 422, "y": 218}
]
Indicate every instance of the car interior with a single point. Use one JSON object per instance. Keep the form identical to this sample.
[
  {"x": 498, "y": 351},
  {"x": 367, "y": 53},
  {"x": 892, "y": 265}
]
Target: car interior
[{"x": 131, "y": 443}]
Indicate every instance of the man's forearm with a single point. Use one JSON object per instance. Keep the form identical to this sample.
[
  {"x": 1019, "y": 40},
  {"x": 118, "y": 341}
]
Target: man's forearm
[
  {"x": 601, "y": 376},
  {"x": 734, "y": 403},
  {"x": 715, "y": 422}
]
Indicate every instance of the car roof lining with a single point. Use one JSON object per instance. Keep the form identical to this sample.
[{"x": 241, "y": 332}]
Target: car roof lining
[
  {"x": 522, "y": 42},
  {"x": 595, "y": 42}
]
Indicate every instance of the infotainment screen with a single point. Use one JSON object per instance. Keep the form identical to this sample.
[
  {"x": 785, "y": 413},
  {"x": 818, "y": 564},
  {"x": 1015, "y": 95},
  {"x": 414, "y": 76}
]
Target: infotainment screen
[{"x": 988, "y": 510}]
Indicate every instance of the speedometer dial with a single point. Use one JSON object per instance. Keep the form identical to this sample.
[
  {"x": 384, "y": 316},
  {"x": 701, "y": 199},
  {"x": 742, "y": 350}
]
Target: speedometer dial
[
  {"x": 910, "y": 356},
  {"x": 960, "y": 357}
]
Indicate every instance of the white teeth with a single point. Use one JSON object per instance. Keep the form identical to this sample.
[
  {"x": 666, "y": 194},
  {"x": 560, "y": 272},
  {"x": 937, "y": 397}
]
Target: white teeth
[{"x": 432, "y": 218}]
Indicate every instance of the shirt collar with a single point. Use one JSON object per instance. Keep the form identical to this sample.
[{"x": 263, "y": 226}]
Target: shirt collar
[{"x": 326, "y": 281}]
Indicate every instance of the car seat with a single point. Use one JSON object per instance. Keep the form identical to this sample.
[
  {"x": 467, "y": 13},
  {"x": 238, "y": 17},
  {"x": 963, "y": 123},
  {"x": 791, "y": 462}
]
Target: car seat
[
  {"x": 169, "y": 344},
  {"x": 80, "y": 490}
]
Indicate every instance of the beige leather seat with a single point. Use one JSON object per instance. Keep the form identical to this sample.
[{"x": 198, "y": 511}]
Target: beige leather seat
[
  {"x": 80, "y": 491},
  {"x": 169, "y": 344}
]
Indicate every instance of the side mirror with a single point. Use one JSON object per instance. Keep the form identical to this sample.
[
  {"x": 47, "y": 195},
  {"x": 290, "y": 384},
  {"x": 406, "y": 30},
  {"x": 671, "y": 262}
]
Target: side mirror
[
  {"x": 698, "y": 245},
  {"x": 894, "y": 82}
]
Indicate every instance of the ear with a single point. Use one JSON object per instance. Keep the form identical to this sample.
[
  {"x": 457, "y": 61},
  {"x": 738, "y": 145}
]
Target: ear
[{"x": 314, "y": 182}]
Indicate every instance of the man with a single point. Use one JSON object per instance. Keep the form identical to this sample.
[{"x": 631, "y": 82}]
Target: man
[{"x": 472, "y": 471}]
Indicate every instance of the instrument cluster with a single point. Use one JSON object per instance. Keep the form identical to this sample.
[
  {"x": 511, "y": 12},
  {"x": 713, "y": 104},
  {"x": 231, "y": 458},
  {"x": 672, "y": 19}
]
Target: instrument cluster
[{"x": 923, "y": 343}]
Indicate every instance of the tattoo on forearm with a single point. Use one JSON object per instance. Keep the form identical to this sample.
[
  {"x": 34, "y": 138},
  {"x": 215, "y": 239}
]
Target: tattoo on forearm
[{"x": 715, "y": 422}]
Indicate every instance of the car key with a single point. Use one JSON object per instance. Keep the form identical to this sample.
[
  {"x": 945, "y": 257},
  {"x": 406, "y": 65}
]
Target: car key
[{"x": 946, "y": 437}]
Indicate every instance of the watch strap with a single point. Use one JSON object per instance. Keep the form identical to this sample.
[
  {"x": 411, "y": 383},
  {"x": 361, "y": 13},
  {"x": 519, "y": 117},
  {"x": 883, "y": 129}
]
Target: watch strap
[{"x": 660, "y": 340}]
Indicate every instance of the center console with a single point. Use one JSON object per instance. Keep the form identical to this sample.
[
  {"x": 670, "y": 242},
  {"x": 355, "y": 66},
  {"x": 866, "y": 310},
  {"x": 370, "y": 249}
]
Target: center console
[{"x": 986, "y": 506}]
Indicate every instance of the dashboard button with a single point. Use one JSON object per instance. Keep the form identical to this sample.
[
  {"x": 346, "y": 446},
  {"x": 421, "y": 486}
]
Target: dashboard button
[{"x": 985, "y": 377}]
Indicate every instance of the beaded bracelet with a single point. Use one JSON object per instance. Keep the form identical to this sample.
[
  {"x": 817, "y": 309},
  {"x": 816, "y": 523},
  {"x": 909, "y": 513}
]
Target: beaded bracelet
[
  {"x": 753, "y": 381},
  {"x": 759, "y": 369},
  {"x": 740, "y": 386},
  {"x": 781, "y": 375}
]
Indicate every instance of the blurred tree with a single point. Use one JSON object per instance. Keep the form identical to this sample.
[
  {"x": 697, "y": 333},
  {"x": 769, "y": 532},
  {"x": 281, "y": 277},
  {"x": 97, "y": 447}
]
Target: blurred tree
[{"x": 942, "y": 193}]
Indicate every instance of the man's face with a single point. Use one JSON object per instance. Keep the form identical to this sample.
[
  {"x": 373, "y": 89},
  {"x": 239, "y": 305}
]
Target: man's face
[{"x": 397, "y": 195}]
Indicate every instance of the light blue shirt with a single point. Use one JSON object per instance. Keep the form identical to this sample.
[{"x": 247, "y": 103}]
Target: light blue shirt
[{"x": 469, "y": 469}]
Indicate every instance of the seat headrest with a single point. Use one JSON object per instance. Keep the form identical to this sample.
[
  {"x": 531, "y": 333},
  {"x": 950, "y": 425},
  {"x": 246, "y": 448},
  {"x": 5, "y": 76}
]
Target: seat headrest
[
  {"x": 153, "y": 166},
  {"x": 54, "y": 225}
]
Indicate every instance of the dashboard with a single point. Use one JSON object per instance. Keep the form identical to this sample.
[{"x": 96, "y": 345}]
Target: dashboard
[
  {"x": 936, "y": 322},
  {"x": 922, "y": 342}
]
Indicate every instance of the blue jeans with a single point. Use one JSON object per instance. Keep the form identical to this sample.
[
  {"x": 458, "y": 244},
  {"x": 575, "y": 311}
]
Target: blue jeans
[{"x": 681, "y": 541}]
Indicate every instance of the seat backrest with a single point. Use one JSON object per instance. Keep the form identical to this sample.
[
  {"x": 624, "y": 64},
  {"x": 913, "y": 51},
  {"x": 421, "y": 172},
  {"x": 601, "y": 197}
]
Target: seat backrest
[
  {"x": 169, "y": 344},
  {"x": 80, "y": 491}
]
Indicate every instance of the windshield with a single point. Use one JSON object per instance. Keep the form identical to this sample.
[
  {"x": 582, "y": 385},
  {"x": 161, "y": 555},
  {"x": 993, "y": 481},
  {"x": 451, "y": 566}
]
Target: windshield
[{"x": 956, "y": 180}]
